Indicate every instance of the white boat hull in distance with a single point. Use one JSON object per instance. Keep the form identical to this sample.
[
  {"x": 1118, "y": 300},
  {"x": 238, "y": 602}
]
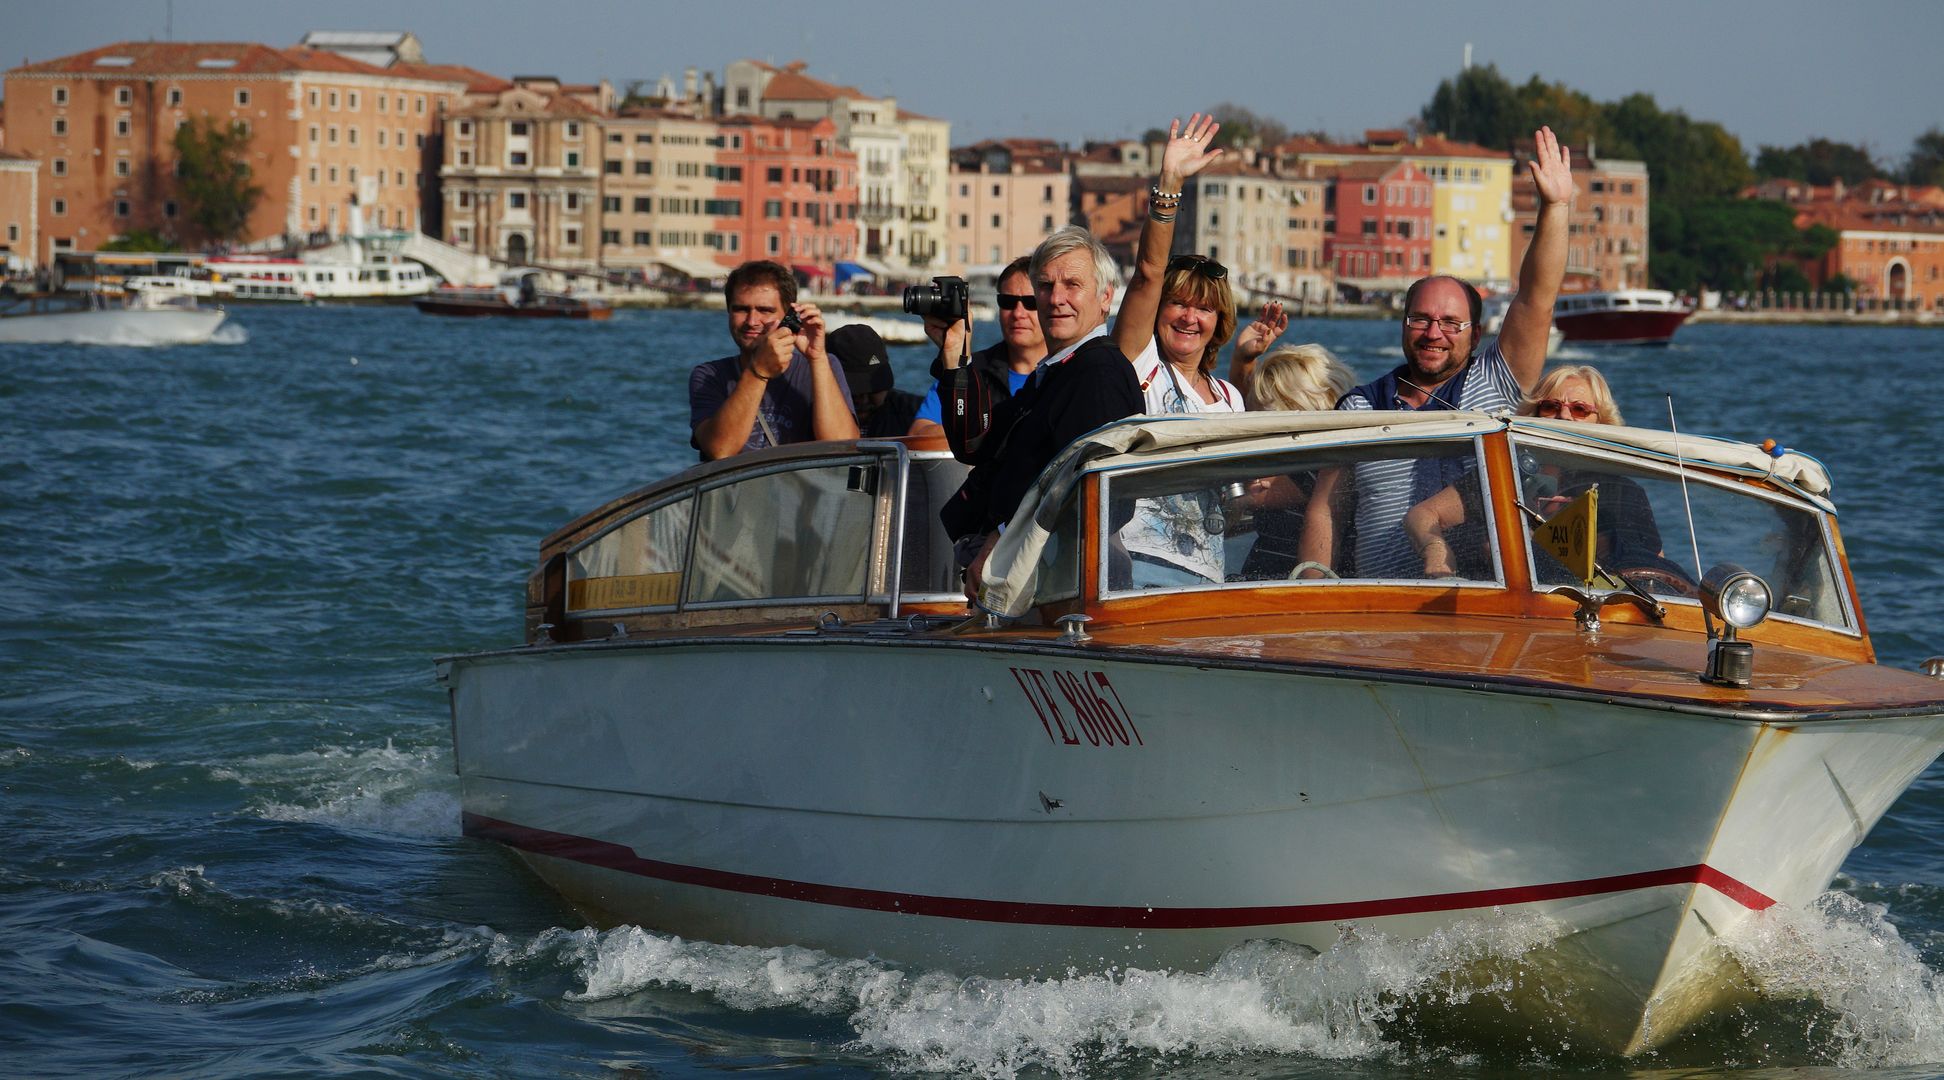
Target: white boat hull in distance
[
  {"x": 114, "y": 326},
  {"x": 1023, "y": 810}
]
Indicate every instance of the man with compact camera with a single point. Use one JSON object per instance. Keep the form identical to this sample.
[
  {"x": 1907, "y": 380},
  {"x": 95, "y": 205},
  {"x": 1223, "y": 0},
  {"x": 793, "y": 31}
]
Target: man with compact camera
[
  {"x": 781, "y": 386},
  {"x": 1083, "y": 383},
  {"x": 967, "y": 391}
]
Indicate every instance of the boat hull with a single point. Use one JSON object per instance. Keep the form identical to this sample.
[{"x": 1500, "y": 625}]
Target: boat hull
[
  {"x": 1621, "y": 327},
  {"x": 113, "y": 326},
  {"x": 500, "y": 309},
  {"x": 1018, "y": 813}
]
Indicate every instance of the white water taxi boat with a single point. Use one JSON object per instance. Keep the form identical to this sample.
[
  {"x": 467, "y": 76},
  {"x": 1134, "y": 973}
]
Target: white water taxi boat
[
  {"x": 751, "y": 708},
  {"x": 1621, "y": 316},
  {"x": 150, "y": 312}
]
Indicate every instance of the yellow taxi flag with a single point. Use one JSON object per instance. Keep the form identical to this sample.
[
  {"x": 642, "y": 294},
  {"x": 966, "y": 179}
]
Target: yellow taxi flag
[{"x": 1569, "y": 534}]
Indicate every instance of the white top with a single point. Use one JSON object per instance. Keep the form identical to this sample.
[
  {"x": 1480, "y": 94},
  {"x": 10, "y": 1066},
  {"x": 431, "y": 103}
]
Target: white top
[{"x": 1174, "y": 529}]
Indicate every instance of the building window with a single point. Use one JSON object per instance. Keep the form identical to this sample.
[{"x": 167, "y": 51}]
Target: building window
[
  {"x": 612, "y": 168},
  {"x": 573, "y": 237},
  {"x": 331, "y": 134},
  {"x": 465, "y": 157},
  {"x": 1370, "y": 195},
  {"x": 643, "y": 238},
  {"x": 351, "y": 135},
  {"x": 518, "y": 129},
  {"x": 381, "y": 99},
  {"x": 351, "y": 100},
  {"x": 310, "y": 99},
  {"x": 516, "y": 200},
  {"x": 644, "y": 168},
  {"x": 334, "y": 174},
  {"x": 773, "y": 209},
  {"x": 464, "y": 200},
  {"x": 351, "y": 174},
  {"x": 381, "y": 132},
  {"x": 401, "y": 104},
  {"x": 313, "y": 174},
  {"x": 175, "y": 97},
  {"x": 642, "y": 204},
  {"x": 313, "y": 134},
  {"x": 60, "y": 125},
  {"x": 60, "y": 208},
  {"x": 121, "y": 166},
  {"x": 242, "y": 98},
  {"x": 59, "y": 166},
  {"x": 60, "y": 95},
  {"x": 995, "y": 221},
  {"x": 398, "y": 177},
  {"x": 775, "y": 175},
  {"x": 573, "y": 200},
  {"x": 516, "y": 157},
  {"x": 775, "y": 244},
  {"x": 573, "y": 129},
  {"x": 13, "y": 234},
  {"x": 124, "y": 96},
  {"x": 418, "y": 104},
  {"x": 465, "y": 129},
  {"x": 573, "y": 159}
]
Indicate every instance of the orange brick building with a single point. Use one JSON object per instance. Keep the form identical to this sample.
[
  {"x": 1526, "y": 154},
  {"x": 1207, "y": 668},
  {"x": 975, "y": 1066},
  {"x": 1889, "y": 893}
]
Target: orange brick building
[
  {"x": 1890, "y": 238},
  {"x": 1606, "y": 240},
  {"x": 324, "y": 129}
]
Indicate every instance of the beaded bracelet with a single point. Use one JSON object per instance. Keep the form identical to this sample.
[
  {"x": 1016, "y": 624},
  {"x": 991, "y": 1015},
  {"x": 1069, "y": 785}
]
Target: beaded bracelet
[{"x": 1155, "y": 190}]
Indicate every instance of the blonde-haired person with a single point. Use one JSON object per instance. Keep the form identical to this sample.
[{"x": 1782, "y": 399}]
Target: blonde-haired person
[
  {"x": 1293, "y": 378},
  {"x": 1626, "y": 536},
  {"x": 1297, "y": 378}
]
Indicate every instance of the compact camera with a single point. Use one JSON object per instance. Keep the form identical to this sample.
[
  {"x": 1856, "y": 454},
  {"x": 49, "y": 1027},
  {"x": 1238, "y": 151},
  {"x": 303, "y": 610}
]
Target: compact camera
[
  {"x": 945, "y": 298},
  {"x": 792, "y": 320}
]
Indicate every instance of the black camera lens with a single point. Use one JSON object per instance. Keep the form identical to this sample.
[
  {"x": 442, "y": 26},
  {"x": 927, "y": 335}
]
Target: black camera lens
[{"x": 945, "y": 298}]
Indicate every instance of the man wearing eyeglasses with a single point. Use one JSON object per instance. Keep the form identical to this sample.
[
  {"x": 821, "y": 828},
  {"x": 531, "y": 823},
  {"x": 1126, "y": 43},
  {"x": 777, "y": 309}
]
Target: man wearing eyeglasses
[
  {"x": 1444, "y": 369},
  {"x": 962, "y": 400}
]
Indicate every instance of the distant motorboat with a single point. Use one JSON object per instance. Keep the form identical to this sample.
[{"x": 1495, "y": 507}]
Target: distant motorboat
[
  {"x": 1621, "y": 316},
  {"x": 159, "y": 314},
  {"x": 518, "y": 295},
  {"x": 894, "y": 331}
]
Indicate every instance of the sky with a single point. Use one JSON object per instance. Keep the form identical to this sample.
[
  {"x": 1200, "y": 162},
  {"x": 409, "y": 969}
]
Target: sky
[{"x": 1778, "y": 72}]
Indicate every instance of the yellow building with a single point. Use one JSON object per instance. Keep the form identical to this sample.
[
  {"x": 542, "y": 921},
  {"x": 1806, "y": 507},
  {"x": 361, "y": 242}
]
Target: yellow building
[{"x": 1471, "y": 194}]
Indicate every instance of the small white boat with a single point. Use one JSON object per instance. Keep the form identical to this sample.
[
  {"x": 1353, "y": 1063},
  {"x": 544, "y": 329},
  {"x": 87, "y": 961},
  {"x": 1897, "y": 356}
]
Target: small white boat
[
  {"x": 751, "y": 708},
  {"x": 160, "y": 314},
  {"x": 894, "y": 330},
  {"x": 1495, "y": 307}
]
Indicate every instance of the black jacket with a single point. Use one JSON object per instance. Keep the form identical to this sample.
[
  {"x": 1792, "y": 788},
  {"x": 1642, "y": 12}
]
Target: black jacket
[{"x": 1060, "y": 403}]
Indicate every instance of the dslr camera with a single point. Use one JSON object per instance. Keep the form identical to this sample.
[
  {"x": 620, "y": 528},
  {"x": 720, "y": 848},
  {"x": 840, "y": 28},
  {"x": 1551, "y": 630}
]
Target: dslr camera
[{"x": 946, "y": 298}]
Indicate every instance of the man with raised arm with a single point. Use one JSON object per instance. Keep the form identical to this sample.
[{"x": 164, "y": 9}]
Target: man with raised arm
[
  {"x": 1084, "y": 382},
  {"x": 780, "y": 387},
  {"x": 1444, "y": 369}
]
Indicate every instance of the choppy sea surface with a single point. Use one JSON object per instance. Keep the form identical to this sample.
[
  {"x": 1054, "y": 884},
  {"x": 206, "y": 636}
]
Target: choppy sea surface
[{"x": 231, "y": 836}]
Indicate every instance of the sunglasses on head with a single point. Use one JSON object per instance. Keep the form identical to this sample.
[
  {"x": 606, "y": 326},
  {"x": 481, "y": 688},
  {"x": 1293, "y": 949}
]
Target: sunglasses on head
[
  {"x": 1009, "y": 301},
  {"x": 1201, "y": 264},
  {"x": 1580, "y": 410}
]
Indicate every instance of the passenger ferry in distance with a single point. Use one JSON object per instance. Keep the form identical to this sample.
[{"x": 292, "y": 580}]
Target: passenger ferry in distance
[
  {"x": 374, "y": 272},
  {"x": 753, "y": 707}
]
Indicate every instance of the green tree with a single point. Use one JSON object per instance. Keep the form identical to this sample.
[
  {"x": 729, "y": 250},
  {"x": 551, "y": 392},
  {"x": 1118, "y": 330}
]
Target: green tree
[
  {"x": 1818, "y": 161},
  {"x": 1478, "y": 106},
  {"x": 1925, "y": 165},
  {"x": 1240, "y": 125},
  {"x": 213, "y": 176},
  {"x": 140, "y": 240}
]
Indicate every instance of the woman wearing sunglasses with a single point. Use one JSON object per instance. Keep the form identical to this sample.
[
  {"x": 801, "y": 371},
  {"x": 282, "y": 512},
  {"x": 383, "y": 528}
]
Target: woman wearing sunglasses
[{"x": 1625, "y": 533}]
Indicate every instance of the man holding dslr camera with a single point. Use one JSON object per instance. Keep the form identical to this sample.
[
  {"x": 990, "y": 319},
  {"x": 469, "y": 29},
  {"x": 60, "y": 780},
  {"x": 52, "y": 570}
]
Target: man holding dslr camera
[
  {"x": 781, "y": 386},
  {"x": 963, "y": 398}
]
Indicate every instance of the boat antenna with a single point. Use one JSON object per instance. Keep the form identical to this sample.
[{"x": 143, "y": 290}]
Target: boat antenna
[{"x": 1694, "y": 544}]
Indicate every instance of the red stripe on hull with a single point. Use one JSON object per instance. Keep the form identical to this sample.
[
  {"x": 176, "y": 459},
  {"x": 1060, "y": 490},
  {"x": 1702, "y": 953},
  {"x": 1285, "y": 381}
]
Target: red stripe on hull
[{"x": 616, "y": 857}]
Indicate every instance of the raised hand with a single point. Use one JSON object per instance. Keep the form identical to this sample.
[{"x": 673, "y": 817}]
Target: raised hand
[
  {"x": 1551, "y": 168},
  {"x": 1187, "y": 151},
  {"x": 1255, "y": 338}
]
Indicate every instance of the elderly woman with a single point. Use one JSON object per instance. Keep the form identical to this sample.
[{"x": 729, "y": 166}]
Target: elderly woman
[{"x": 1626, "y": 536}]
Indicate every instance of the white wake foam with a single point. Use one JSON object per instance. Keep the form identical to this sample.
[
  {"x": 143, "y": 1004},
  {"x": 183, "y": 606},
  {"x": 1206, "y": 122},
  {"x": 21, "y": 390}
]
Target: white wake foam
[{"x": 382, "y": 789}]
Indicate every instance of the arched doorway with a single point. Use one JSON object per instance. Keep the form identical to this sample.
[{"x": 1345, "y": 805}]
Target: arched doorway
[
  {"x": 516, "y": 249},
  {"x": 1896, "y": 280}
]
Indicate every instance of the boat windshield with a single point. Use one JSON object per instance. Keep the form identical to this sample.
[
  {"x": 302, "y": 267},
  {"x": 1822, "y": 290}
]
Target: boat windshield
[
  {"x": 1640, "y": 531},
  {"x": 1317, "y": 515}
]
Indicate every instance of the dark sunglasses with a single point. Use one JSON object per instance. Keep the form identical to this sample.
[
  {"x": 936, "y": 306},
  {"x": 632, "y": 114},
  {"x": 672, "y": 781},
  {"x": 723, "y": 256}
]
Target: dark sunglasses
[
  {"x": 1008, "y": 301},
  {"x": 1201, "y": 264}
]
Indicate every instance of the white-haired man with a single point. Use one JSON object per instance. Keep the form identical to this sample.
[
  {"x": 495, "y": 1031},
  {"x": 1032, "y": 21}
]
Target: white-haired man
[{"x": 1084, "y": 382}]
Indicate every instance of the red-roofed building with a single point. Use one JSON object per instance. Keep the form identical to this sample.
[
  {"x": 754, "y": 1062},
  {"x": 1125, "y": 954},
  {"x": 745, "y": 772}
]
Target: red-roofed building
[
  {"x": 1005, "y": 196},
  {"x": 1244, "y": 216},
  {"x": 788, "y": 192},
  {"x": 1381, "y": 214},
  {"x": 329, "y": 136},
  {"x": 1890, "y": 237},
  {"x": 1606, "y": 239}
]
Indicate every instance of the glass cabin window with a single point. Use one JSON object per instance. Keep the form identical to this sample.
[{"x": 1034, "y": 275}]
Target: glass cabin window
[
  {"x": 929, "y": 566},
  {"x": 1239, "y": 519},
  {"x": 1640, "y": 530},
  {"x": 799, "y": 534},
  {"x": 637, "y": 564}
]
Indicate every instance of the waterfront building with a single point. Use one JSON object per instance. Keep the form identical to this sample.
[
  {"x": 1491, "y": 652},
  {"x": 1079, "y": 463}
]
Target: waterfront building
[
  {"x": 900, "y": 158},
  {"x": 1237, "y": 213},
  {"x": 1379, "y": 214},
  {"x": 786, "y": 191},
  {"x": 1112, "y": 207},
  {"x": 522, "y": 176},
  {"x": 1471, "y": 209},
  {"x": 1889, "y": 238},
  {"x": 659, "y": 175},
  {"x": 1005, "y": 196},
  {"x": 328, "y": 134},
  {"x": 19, "y": 210},
  {"x": 1606, "y": 241},
  {"x": 1306, "y": 262}
]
